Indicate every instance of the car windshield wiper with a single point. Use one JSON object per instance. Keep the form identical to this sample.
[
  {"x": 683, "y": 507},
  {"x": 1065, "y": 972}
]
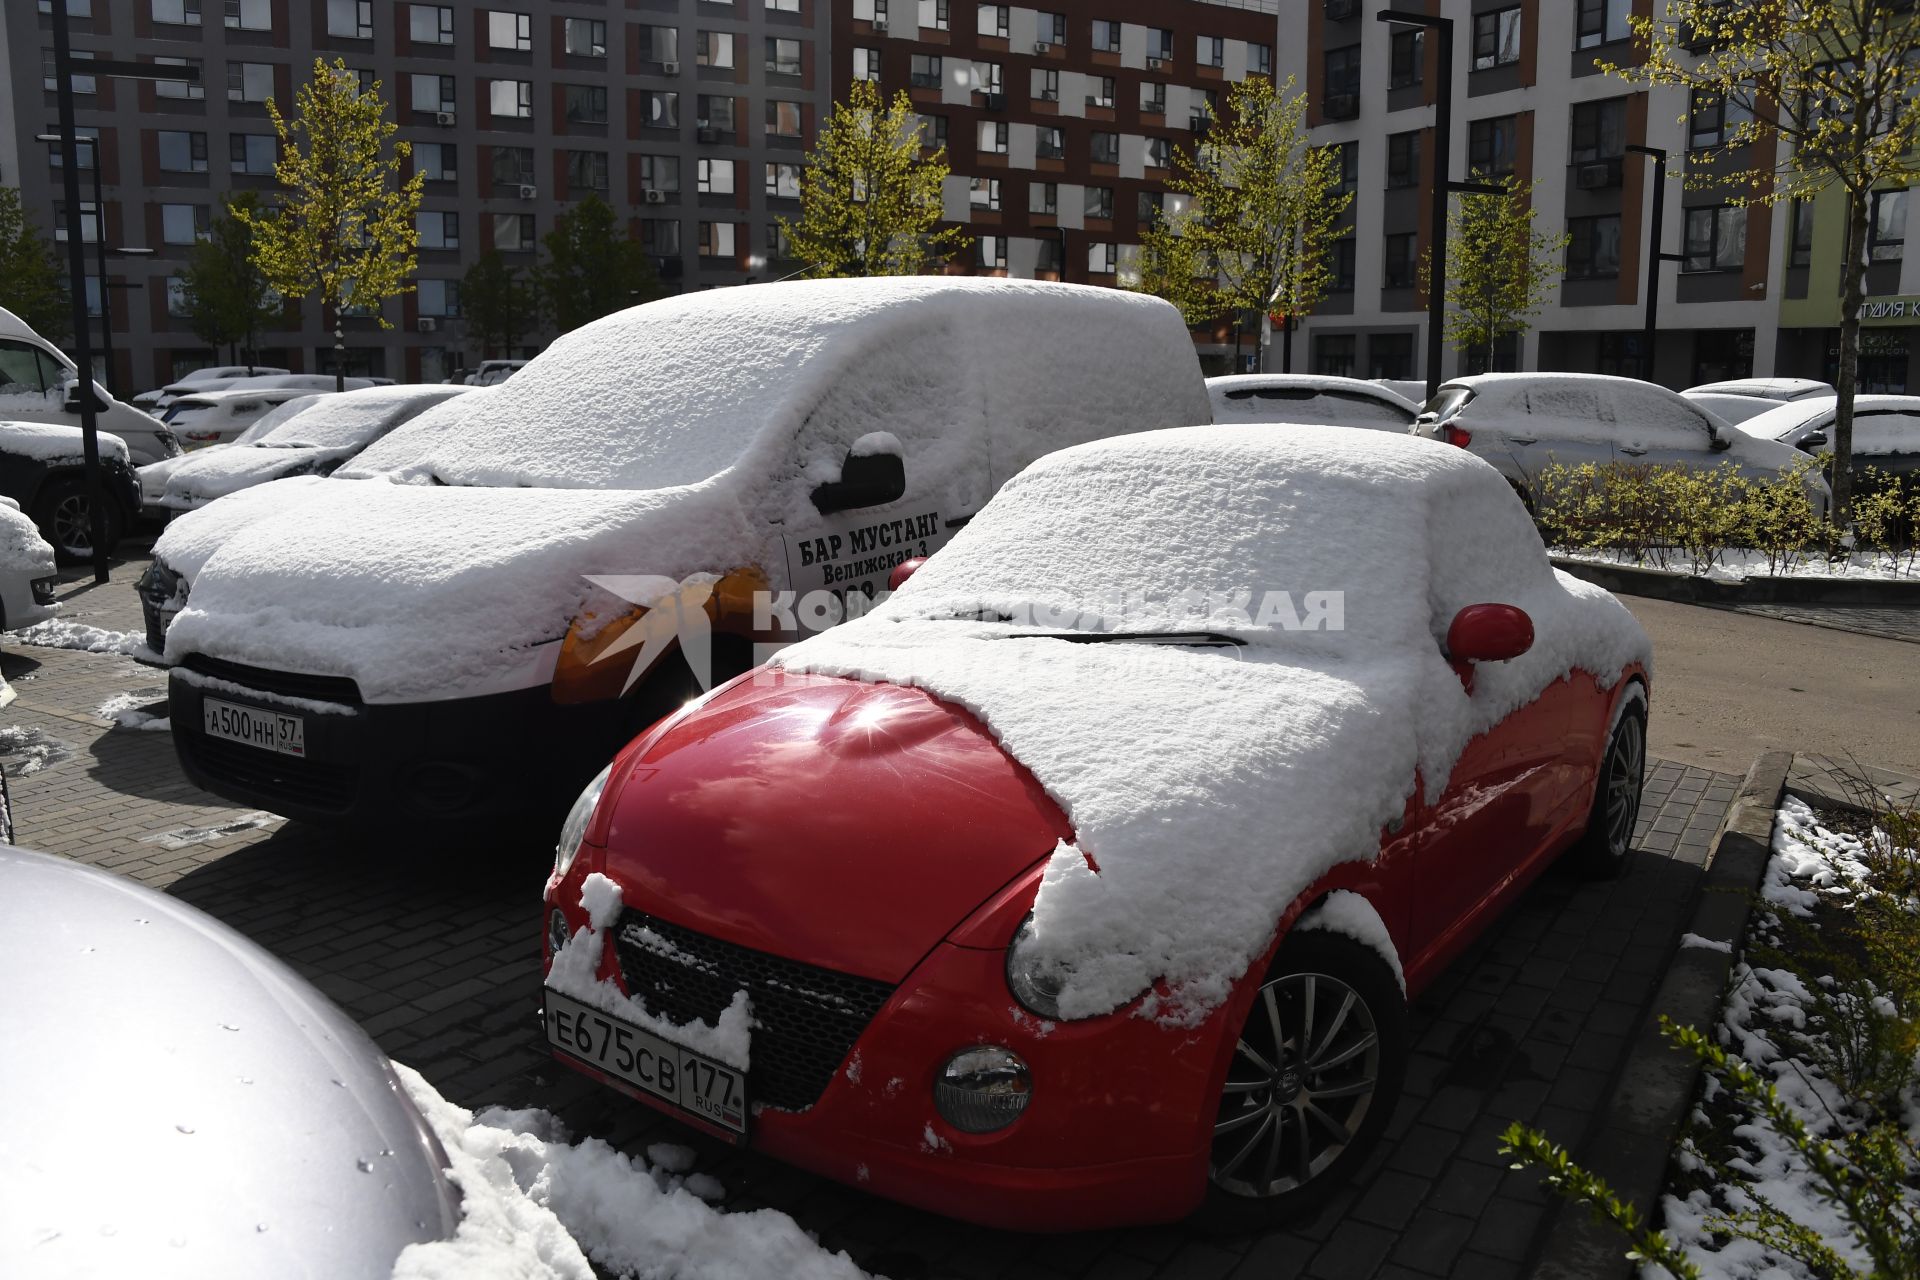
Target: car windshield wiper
[{"x": 1184, "y": 639}]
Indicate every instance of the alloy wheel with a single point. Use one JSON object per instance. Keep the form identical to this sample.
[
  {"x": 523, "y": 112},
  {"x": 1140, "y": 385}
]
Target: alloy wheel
[
  {"x": 73, "y": 524},
  {"x": 1301, "y": 1082},
  {"x": 1624, "y": 775}
]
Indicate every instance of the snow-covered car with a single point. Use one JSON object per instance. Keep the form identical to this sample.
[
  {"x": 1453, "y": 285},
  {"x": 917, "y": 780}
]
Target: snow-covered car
[
  {"x": 1202, "y": 752},
  {"x": 1886, "y": 430},
  {"x": 43, "y": 469},
  {"x": 260, "y": 1133},
  {"x": 517, "y": 582},
  {"x": 320, "y": 437},
  {"x": 39, "y": 384},
  {"x": 1782, "y": 389},
  {"x": 219, "y": 417},
  {"x": 264, "y": 380},
  {"x": 1413, "y": 390},
  {"x": 1731, "y": 409},
  {"x": 1309, "y": 399},
  {"x": 154, "y": 475},
  {"x": 1524, "y": 423},
  {"x": 493, "y": 372},
  {"x": 27, "y": 578}
]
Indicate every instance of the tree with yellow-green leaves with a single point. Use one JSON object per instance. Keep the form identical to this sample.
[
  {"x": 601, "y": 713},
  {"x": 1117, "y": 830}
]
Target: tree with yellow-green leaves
[
  {"x": 342, "y": 224},
  {"x": 870, "y": 201},
  {"x": 1837, "y": 83},
  {"x": 1257, "y": 231},
  {"x": 1500, "y": 271}
]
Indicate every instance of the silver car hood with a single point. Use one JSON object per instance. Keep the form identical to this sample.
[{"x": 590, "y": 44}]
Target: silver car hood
[{"x": 183, "y": 1104}]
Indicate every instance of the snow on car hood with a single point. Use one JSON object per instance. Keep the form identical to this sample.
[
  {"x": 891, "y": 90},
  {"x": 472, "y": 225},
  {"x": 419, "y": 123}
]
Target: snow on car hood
[
  {"x": 1208, "y": 787},
  {"x": 22, "y": 549},
  {"x": 205, "y": 475},
  {"x": 414, "y": 591},
  {"x": 55, "y": 442}
]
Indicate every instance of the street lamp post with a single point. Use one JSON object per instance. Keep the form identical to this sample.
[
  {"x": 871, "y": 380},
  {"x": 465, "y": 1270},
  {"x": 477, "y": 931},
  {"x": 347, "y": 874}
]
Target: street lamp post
[
  {"x": 99, "y": 249},
  {"x": 1654, "y": 256}
]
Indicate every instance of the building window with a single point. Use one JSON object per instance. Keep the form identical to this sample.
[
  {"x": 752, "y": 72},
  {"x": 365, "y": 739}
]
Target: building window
[
  {"x": 1712, "y": 119},
  {"x": 1102, "y": 259},
  {"x": 438, "y": 297},
  {"x": 1106, "y": 36},
  {"x": 1348, "y": 157},
  {"x": 714, "y": 49},
  {"x": 586, "y": 103},
  {"x": 984, "y": 193},
  {"x": 352, "y": 19},
  {"x": 866, "y": 64},
  {"x": 50, "y": 80},
  {"x": 660, "y": 45},
  {"x": 663, "y": 109},
  {"x": 660, "y": 237},
  {"x": 1601, "y": 22},
  {"x": 1343, "y": 71},
  {"x": 660, "y": 173},
  {"x": 1153, "y": 98},
  {"x": 1150, "y": 207},
  {"x": 1390, "y": 355},
  {"x": 432, "y": 93},
  {"x": 993, "y": 253},
  {"x": 512, "y": 98},
  {"x": 993, "y": 20},
  {"x": 713, "y": 112},
  {"x": 1593, "y": 247},
  {"x": 783, "y": 181},
  {"x": 714, "y": 177},
  {"x": 182, "y": 152},
  {"x": 925, "y": 73},
  {"x": 716, "y": 239},
  {"x": 1407, "y": 59},
  {"x": 197, "y": 89},
  {"x": 178, "y": 305},
  {"x": 177, "y": 13},
  {"x": 1492, "y": 145},
  {"x": 1887, "y": 226},
  {"x": 1260, "y": 60},
  {"x": 1045, "y": 84},
  {"x": 586, "y": 37},
  {"x": 1103, "y": 147},
  {"x": 1496, "y": 38},
  {"x": 1716, "y": 239},
  {"x": 513, "y": 167},
  {"x": 783, "y": 6},
  {"x": 1160, "y": 43},
  {"x": 1210, "y": 51},
  {"x": 248, "y": 15},
  {"x": 1050, "y": 28},
  {"x": 89, "y": 223},
  {"x": 1043, "y": 198},
  {"x": 440, "y": 161},
  {"x": 1101, "y": 94},
  {"x": 251, "y": 153},
  {"x": 932, "y": 130},
  {"x": 510, "y": 31},
  {"x": 783, "y": 58},
  {"x": 587, "y": 171},
  {"x": 1333, "y": 355},
  {"x": 1397, "y": 266},
  {"x": 936, "y": 15},
  {"x": 783, "y": 119},
  {"x": 1159, "y": 153},
  {"x": 430, "y": 24},
  {"x": 993, "y": 137},
  {"x": 1599, "y": 130},
  {"x": 513, "y": 231},
  {"x": 183, "y": 223},
  {"x": 989, "y": 77},
  {"x": 1099, "y": 202},
  {"x": 1800, "y": 248},
  {"x": 247, "y": 81},
  {"x": 779, "y": 247},
  {"x": 438, "y": 228},
  {"x": 1049, "y": 144},
  {"x": 1403, "y": 159}
]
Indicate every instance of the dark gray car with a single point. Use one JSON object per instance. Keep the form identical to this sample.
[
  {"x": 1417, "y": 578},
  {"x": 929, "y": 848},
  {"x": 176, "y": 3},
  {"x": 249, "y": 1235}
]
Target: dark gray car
[{"x": 183, "y": 1104}]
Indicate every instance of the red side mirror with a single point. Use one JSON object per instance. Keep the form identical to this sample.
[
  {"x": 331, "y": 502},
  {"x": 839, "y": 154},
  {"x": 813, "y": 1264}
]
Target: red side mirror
[
  {"x": 1489, "y": 633},
  {"x": 907, "y": 568}
]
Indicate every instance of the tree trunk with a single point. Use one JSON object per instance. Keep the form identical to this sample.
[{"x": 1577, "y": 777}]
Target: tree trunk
[
  {"x": 1853, "y": 289},
  {"x": 1286, "y": 344},
  {"x": 1236, "y": 341}
]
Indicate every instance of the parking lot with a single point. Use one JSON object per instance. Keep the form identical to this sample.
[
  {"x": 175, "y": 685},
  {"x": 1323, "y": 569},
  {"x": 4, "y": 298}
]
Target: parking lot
[{"x": 436, "y": 955}]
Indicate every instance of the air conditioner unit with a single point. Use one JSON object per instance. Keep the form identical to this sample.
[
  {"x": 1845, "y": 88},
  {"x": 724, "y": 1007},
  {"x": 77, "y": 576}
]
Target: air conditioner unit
[
  {"x": 1597, "y": 175},
  {"x": 1156, "y": 64},
  {"x": 527, "y": 192},
  {"x": 669, "y": 68},
  {"x": 707, "y": 135},
  {"x": 427, "y": 324},
  {"x": 1341, "y": 106},
  {"x": 1341, "y": 10},
  {"x": 880, "y": 26},
  {"x": 994, "y": 100},
  {"x": 1041, "y": 46},
  {"x": 445, "y": 119},
  {"x": 1049, "y": 95},
  {"x": 656, "y": 197}
]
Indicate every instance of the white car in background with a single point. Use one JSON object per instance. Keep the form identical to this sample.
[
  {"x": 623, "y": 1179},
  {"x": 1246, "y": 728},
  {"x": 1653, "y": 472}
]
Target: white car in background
[
  {"x": 1886, "y": 430},
  {"x": 1782, "y": 389},
  {"x": 26, "y": 571},
  {"x": 1524, "y": 423},
  {"x": 281, "y": 381},
  {"x": 1413, "y": 389},
  {"x": 154, "y": 475},
  {"x": 1310, "y": 399},
  {"x": 491, "y": 372},
  {"x": 315, "y": 440},
  {"x": 1729, "y": 408},
  {"x": 219, "y": 417}
]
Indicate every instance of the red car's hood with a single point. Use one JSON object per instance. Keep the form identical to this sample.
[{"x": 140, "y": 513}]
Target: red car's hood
[{"x": 841, "y": 824}]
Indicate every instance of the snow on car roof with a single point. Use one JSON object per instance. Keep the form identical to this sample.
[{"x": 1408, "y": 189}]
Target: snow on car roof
[
  {"x": 678, "y": 391},
  {"x": 1209, "y": 787},
  {"x": 227, "y": 395},
  {"x": 349, "y": 419},
  {"x": 1881, "y": 423},
  {"x": 1768, "y": 388},
  {"x": 51, "y": 441},
  {"x": 1308, "y": 398}
]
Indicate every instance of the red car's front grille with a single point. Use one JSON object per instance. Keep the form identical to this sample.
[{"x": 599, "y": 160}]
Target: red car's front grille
[{"x": 806, "y": 1018}]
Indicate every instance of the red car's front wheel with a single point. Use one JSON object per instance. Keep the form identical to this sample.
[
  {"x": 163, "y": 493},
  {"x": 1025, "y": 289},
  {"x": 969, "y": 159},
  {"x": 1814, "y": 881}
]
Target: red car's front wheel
[{"x": 1315, "y": 1074}]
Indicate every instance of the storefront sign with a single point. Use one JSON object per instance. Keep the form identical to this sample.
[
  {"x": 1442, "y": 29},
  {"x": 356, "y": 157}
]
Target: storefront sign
[{"x": 1891, "y": 309}]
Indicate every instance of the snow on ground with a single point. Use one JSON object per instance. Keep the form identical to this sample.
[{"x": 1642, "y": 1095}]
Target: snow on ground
[
  {"x": 537, "y": 1207},
  {"x": 1738, "y": 563},
  {"x": 1209, "y": 787},
  {"x": 30, "y": 750},
  {"x": 129, "y": 711},
  {"x": 60, "y": 633},
  {"x": 1809, "y": 863}
]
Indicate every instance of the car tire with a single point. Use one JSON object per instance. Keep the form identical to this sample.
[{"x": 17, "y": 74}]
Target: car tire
[
  {"x": 1282, "y": 1114},
  {"x": 1601, "y": 852},
  {"x": 64, "y": 518}
]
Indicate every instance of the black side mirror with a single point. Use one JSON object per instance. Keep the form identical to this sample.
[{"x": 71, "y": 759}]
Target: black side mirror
[
  {"x": 1721, "y": 443},
  {"x": 1814, "y": 440},
  {"x": 866, "y": 480},
  {"x": 73, "y": 399}
]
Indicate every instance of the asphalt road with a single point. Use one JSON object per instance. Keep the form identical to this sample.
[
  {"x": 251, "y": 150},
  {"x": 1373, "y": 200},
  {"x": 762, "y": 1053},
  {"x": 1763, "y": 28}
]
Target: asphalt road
[{"x": 1728, "y": 686}]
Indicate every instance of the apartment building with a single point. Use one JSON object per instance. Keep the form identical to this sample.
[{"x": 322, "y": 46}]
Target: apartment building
[
  {"x": 689, "y": 117},
  {"x": 1059, "y": 123},
  {"x": 1530, "y": 98}
]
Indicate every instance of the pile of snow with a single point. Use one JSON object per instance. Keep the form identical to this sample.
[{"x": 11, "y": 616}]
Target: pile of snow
[
  {"x": 1209, "y": 787},
  {"x": 129, "y": 711},
  {"x": 58, "y": 633},
  {"x": 30, "y": 749},
  {"x": 537, "y": 1207},
  {"x": 21, "y": 547},
  {"x": 682, "y": 437},
  {"x": 55, "y": 442}
]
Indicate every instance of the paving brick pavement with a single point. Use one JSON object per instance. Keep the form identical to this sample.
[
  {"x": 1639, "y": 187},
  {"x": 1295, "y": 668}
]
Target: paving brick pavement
[{"x": 436, "y": 956}]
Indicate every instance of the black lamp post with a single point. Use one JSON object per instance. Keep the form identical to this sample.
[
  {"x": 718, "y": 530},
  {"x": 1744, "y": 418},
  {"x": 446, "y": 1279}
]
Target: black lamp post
[
  {"x": 1654, "y": 256},
  {"x": 77, "y": 253}
]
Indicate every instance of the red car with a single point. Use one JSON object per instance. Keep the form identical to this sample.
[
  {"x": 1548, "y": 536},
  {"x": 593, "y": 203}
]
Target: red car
[{"x": 1085, "y": 881}]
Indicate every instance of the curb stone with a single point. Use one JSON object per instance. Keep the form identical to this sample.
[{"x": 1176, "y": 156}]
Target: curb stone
[
  {"x": 1687, "y": 588},
  {"x": 1632, "y": 1138}
]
